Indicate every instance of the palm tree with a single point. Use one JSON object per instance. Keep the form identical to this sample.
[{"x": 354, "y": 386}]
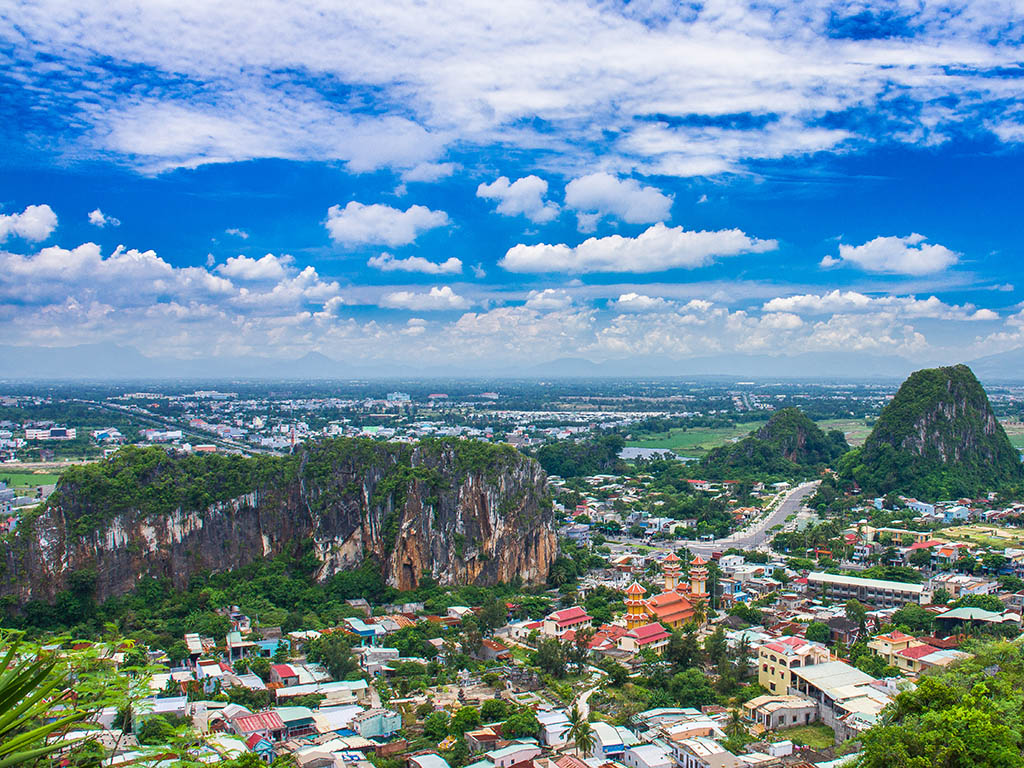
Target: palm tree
[
  {"x": 28, "y": 691},
  {"x": 580, "y": 732},
  {"x": 735, "y": 726},
  {"x": 700, "y": 612}
]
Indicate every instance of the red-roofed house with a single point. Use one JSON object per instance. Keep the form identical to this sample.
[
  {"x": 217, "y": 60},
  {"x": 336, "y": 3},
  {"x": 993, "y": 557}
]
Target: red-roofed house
[
  {"x": 891, "y": 645},
  {"x": 652, "y": 636},
  {"x": 560, "y": 622},
  {"x": 282, "y": 673},
  {"x": 570, "y": 761},
  {"x": 491, "y": 650},
  {"x": 606, "y": 638},
  {"x": 262, "y": 746},
  {"x": 909, "y": 659},
  {"x": 267, "y": 724}
]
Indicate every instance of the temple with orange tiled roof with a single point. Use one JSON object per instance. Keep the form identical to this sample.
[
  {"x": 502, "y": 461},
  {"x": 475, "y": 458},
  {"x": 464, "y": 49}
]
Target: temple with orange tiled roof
[{"x": 676, "y": 605}]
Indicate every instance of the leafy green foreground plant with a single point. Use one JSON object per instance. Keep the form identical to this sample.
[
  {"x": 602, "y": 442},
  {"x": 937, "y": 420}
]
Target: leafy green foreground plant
[{"x": 29, "y": 690}]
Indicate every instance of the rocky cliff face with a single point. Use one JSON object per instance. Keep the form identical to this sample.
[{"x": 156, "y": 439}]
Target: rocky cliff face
[
  {"x": 460, "y": 512},
  {"x": 937, "y": 438}
]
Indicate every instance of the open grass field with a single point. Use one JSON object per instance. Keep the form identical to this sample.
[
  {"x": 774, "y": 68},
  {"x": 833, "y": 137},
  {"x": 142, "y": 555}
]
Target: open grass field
[
  {"x": 1015, "y": 431},
  {"x": 856, "y": 430},
  {"x": 986, "y": 535},
  {"x": 21, "y": 479},
  {"x": 815, "y": 735},
  {"x": 696, "y": 441}
]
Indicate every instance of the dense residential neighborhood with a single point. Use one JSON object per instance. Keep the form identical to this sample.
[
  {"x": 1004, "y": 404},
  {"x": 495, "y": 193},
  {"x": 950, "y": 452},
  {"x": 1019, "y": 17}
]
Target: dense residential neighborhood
[{"x": 812, "y": 655}]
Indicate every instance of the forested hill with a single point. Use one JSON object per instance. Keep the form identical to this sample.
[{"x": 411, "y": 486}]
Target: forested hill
[
  {"x": 460, "y": 511},
  {"x": 789, "y": 445},
  {"x": 969, "y": 715},
  {"x": 936, "y": 439}
]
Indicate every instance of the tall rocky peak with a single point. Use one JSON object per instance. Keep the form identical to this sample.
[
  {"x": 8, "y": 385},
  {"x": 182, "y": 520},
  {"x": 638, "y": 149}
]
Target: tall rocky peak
[
  {"x": 938, "y": 438},
  {"x": 462, "y": 512},
  {"x": 790, "y": 443}
]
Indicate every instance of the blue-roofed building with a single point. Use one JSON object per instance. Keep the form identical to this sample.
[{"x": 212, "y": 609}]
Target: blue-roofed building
[
  {"x": 368, "y": 634},
  {"x": 262, "y": 746}
]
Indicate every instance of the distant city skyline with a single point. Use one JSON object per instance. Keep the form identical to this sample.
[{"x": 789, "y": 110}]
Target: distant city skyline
[{"x": 432, "y": 185}]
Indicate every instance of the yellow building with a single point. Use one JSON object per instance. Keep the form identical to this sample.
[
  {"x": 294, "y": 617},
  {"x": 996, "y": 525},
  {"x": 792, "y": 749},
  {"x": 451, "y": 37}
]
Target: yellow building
[
  {"x": 775, "y": 661},
  {"x": 676, "y": 605},
  {"x": 636, "y": 611}
]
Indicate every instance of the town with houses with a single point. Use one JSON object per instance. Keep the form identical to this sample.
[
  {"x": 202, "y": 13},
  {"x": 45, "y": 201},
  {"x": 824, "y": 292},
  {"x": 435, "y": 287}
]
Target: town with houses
[
  {"x": 776, "y": 632},
  {"x": 819, "y": 654}
]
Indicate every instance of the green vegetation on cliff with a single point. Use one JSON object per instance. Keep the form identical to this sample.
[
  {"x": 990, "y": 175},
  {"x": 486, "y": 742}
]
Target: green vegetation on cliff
[
  {"x": 789, "y": 445},
  {"x": 566, "y": 458},
  {"x": 153, "y": 481},
  {"x": 157, "y": 482},
  {"x": 936, "y": 439}
]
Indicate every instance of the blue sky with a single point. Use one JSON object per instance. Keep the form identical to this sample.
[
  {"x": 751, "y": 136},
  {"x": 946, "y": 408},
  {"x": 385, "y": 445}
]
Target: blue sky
[{"x": 444, "y": 183}]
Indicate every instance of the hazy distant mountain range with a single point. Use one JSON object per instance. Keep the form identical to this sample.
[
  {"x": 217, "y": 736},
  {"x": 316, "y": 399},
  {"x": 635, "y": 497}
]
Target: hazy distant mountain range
[{"x": 110, "y": 361}]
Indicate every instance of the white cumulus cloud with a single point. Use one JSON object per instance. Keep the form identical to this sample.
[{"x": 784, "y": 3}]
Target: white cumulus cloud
[
  {"x": 269, "y": 267},
  {"x": 601, "y": 194},
  {"x": 35, "y": 223},
  {"x": 523, "y": 197},
  {"x": 388, "y": 263},
  {"x": 908, "y": 255},
  {"x": 359, "y": 224},
  {"x": 638, "y": 302},
  {"x": 839, "y": 302},
  {"x": 99, "y": 219},
  {"x": 657, "y": 249},
  {"x": 548, "y": 299},
  {"x": 437, "y": 298},
  {"x": 429, "y": 172}
]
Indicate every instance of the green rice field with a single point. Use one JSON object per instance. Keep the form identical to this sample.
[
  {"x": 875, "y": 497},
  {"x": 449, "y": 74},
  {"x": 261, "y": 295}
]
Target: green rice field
[
  {"x": 1015, "y": 431},
  {"x": 21, "y": 479},
  {"x": 696, "y": 441}
]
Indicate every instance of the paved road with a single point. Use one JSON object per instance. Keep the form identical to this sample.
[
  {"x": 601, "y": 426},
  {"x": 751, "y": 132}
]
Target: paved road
[
  {"x": 582, "y": 701},
  {"x": 754, "y": 537}
]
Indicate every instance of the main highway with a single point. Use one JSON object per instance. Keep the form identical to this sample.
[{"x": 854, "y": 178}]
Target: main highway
[{"x": 760, "y": 532}]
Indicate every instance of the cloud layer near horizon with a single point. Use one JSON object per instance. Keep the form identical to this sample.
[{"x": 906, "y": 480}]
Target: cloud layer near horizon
[{"x": 272, "y": 305}]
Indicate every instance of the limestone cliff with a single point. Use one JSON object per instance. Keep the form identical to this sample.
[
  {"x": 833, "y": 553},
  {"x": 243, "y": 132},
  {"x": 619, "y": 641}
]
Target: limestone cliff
[
  {"x": 460, "y": 511},
  {"x": 938, "y": 438}
]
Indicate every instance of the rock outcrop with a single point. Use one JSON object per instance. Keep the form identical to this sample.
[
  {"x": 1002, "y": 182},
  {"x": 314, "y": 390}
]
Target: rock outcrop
[
  {"x": 459, "y": 511},
  {"x": 937, "y": 439},
  {"x": 789, "y": 445}
]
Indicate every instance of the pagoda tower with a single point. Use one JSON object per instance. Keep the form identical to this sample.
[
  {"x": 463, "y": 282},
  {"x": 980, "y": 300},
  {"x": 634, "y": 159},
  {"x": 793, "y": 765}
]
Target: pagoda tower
[
  {"x": 636, "y": 615},
  {"x": 670, "y": 567},
  {"x": 698, "y": 576}
]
